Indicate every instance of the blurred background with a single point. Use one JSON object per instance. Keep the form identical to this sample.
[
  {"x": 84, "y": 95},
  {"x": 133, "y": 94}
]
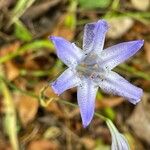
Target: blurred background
[{"x": 32, "y": 117}]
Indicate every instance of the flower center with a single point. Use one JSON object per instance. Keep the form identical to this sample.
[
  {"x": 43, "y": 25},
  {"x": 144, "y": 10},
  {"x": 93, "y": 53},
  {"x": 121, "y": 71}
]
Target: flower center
[
  {"x": 88, "y": 71},
  {"x": 89, "y": 67}
]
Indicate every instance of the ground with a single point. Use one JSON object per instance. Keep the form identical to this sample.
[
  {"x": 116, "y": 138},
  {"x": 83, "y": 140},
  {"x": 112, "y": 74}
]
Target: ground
[{"x": 32, "y": 116}]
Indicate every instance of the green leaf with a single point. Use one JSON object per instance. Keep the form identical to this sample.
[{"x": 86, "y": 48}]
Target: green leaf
[
  {"x": 91, "y": 4},
  {"x": 20, "y": 7},
  {"x": 70, "y": 20},
  {"x": 22, "y": 32}
]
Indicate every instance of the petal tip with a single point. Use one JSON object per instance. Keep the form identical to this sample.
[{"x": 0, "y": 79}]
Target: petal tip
[
  {"x": 139, "y": 97},
  {"x": 86, "y": 120},
  {"x": 135, "y": 102},
  {"x": 140, "y": 93},
  {"x": 56, "y": 91},
  {"x": 141, "y": 42},
  {"x": 85, "y": 124},
  {"x": 104, "y": 23}
]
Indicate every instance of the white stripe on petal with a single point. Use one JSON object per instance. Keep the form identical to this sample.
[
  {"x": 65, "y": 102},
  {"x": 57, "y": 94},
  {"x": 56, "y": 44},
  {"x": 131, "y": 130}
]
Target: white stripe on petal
[
  {"x": 117, "y": 54},
  {"x": 67, "y": 52},
  {"x": 65, "y": 81},
  {"x": 86, "y": 94},
  {"x": 94, "y": 36},
  {"x": 119, "y": 142},
  {"x": 113, "y": 83}
]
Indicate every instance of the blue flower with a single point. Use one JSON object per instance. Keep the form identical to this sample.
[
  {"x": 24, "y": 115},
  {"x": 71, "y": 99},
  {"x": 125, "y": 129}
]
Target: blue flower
[{"x": 91, "y": 68}]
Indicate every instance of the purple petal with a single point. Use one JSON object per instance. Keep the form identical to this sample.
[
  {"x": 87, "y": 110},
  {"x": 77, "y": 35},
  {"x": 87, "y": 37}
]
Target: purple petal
[
  {"x": 86, "y": 94},
  {"x": 65, "y": 81},
  {"x": 117, "y": 54},
  {"x": 67, "y": 52},
  {"x": 113, "y": 83},
  {"x": 94, "y": 36}
]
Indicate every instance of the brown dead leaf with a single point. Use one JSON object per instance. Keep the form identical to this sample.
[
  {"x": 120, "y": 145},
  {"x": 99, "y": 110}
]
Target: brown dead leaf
[
  {"x": 147, "y": 51},
  {"x": 89, "y": 143},
  {"x": 139, "y": 121},
  {"x": 109, "y": 102},
  {"x": 4, "y": 145},
  {"x": 62, "y": 30},
  {"x": 43, "y": 145},
  {"x": 145, "y": 84},
  {"x": 27, "y": 108},
  {"x": 9, "y": 48},
  {"x": 21, "y": 83},
  {"x": 54, "y": 108},
  {"x": 137, "y": 31},
  {"x": 29, "y": 63},
  {"x": 11, "y": 70}
]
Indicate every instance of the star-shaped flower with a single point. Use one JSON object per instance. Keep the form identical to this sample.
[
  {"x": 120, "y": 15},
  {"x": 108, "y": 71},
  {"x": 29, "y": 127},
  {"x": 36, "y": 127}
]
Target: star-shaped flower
[{"x": 91, "y": 68}]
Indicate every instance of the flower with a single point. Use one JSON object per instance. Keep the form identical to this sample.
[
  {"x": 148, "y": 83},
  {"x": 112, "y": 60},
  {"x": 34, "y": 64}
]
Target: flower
[
  {"x": 119, "y": 142},
  {"x": 91, "y": 68}
]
